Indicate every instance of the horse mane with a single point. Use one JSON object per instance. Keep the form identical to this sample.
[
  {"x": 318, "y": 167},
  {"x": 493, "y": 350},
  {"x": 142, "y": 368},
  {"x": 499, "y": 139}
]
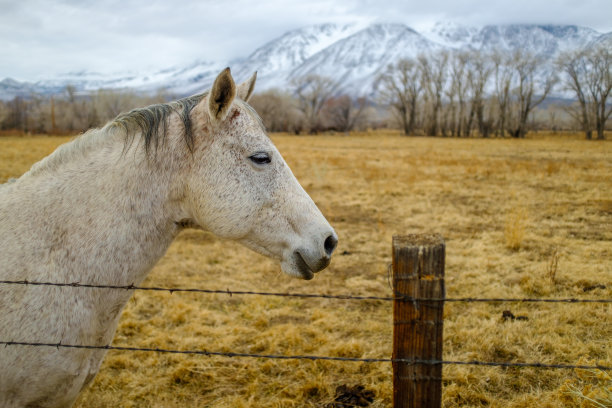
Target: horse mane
[{"x": 151, "y": 119}]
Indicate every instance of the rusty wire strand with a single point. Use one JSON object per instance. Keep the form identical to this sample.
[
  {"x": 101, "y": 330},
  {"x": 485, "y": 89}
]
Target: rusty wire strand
[
  {"x": 308, "y": 357},
  {"x": 302, "y": 295}
]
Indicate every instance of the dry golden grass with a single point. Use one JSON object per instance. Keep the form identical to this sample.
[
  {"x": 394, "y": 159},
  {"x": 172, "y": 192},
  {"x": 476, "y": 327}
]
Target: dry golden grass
[{"x": 521, "y": 218}]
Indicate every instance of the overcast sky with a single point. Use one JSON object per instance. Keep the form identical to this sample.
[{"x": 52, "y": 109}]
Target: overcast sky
[{"x": 40, "y": 39}]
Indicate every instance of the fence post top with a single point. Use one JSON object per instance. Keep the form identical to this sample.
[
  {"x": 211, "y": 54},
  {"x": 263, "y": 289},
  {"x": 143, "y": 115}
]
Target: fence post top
[{"x": 418, "y": 240}]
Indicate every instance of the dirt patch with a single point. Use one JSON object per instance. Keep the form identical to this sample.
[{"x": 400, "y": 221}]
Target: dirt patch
[{"x": 355, "y": 396}]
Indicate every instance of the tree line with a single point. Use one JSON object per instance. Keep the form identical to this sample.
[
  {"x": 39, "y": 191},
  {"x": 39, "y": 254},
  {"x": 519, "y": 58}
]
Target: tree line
[
  {"x": 70, "y": 111},
  {"x": 457, "y": 94},
  {"x": 492, "y": 94}
]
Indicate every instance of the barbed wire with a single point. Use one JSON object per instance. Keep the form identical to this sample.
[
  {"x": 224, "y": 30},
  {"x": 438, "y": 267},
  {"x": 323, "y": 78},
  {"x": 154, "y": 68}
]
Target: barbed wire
[
  {"x": 302, "y": 357},
  {"x": 302, "y": 295},
  {"x": 309, "y": 357},
  {"x": 195, "y": 290}
]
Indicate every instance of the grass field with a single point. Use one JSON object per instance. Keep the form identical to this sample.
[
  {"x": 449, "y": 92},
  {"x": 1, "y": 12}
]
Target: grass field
[{"x": 521, "y": 218}]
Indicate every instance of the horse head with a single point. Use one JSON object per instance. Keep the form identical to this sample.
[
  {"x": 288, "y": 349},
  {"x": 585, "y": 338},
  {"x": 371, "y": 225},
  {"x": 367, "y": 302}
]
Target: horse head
[{"x": 239, "y": 187}]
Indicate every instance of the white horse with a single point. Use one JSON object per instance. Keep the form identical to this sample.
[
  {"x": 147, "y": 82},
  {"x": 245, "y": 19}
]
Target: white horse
[{"x": 104, "y": 208}]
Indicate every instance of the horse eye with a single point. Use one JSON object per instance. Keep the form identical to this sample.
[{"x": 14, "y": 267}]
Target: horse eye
[{"x": 260, "y": 158}]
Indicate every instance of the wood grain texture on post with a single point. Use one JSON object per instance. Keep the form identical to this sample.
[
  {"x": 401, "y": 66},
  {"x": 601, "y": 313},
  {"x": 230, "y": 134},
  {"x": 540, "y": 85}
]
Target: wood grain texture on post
[{"x": 418, "y": 273}]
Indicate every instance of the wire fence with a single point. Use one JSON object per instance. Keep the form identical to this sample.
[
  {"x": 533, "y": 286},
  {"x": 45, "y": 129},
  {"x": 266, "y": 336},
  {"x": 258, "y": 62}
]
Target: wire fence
[
  {"x": 302, "y": 295},
  {"x": 307, "y": 357},
  {"x": 6, "y": 342}
]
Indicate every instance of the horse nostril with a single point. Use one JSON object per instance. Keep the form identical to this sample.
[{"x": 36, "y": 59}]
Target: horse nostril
[{"x": 330, "y": 244}]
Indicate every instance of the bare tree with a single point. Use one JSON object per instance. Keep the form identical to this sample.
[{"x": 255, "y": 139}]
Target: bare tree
[
  {"x": 552, "y": 111},
  {"x": 109, "y": 103},
  {"x": 71, "y": 110},
  {"x": 343, "y": 113},
  {"x": 588, "y": 75},
  {"x": 79, "y": 112},
  {"x": 39, "y": 115},
  {"x": 457, "y": 89},
  {"x": 526, "y": 68},
  {"x": 434, "y": 76},
  {"x": 600, "y": 87},
  {"x": 479, "y": 72},
  {"x": 18, "y": 114},
  {"x": 278, "y": 110},
  {"x": 312, "y": 92},
  {"x": 575, "y": 66},
  {"x": 503, "y": 81},
  {"x": 4, "y": 112},
  {"x": 401, "y": 87}
]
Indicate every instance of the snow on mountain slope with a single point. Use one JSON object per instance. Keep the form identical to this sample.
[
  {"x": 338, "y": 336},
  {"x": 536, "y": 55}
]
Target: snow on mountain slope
[
  {"x": 275, "y": 60},
  {"x": 356, "y": 61},
  {"x": 295, "y": 47},
  {"x": 544, "y": 40},
  {"x": 451, "y": 34},
  {"x": 178, "y": 79},
  {"x": 351, "y": 55},
  {"x": 603, "y": 40}
]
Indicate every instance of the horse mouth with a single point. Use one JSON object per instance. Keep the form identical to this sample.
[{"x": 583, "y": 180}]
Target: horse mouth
[{"x": 303, "y": 267}]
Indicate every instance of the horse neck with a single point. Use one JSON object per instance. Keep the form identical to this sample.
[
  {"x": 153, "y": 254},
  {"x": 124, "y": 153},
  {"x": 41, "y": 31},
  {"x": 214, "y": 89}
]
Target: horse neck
[{"x": 114, "y": 208}]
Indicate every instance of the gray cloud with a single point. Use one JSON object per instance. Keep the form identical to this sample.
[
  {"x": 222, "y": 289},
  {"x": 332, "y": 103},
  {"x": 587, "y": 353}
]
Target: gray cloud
[{"x": 39, "y": 39}]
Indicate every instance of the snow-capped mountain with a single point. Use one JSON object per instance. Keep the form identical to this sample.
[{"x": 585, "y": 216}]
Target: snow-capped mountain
[
  {"x": 352, "y": 55},
  {"x": 357, "y": 60},
  {"x": 545, "y": 40},
  {"x": 282, "y": 55}
]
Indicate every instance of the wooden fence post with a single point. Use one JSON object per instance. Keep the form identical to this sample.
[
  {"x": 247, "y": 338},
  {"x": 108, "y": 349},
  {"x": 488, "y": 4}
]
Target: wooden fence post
[{"x": 418, "y": 273}]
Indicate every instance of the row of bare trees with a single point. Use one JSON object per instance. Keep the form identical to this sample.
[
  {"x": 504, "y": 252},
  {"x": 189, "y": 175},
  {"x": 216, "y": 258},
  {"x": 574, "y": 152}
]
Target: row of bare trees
[
  {"x": 459, "y": 94},
  {"x": 314, "y": 105},
  {"x": 70, "y": 111},
  {"x": 465, "y": 93},
  {"x": 313, "y": 108}
]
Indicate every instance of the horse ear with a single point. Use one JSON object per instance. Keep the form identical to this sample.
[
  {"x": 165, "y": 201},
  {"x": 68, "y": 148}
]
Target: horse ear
[
  {"x": 221, "y": 95},
  {"x": 245, "y": 89}
]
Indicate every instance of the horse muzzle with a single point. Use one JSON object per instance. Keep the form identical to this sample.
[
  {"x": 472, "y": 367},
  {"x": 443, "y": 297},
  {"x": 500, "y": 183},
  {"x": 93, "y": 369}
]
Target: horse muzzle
[{"x": 307, "y": 261}]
